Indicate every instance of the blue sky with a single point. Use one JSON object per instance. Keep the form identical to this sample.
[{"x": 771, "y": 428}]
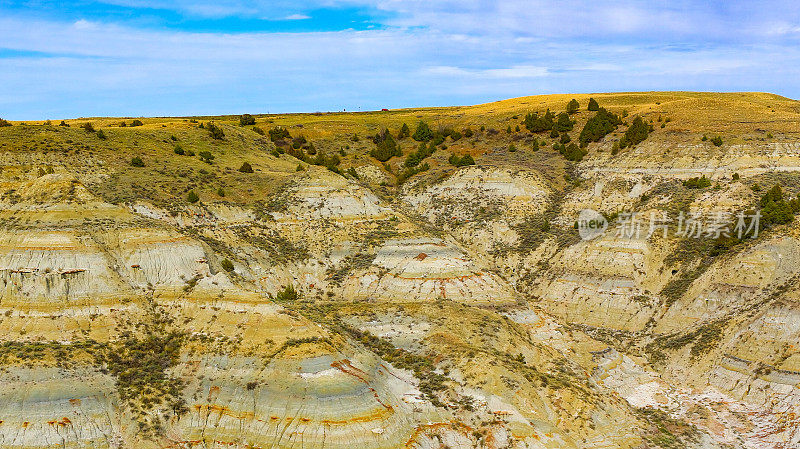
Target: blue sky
[{"x": 184, "y": 57}]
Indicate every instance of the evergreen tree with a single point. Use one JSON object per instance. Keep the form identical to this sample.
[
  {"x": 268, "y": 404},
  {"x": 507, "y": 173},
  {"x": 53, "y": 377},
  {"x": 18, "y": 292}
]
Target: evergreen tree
[
  {"x": 423, "y": 133},
  {"x": 573, "y": 106},
  {"x": 593, "y": 106},
  {"x": 635, "y": 134},
  {"x": 404, "y": 132},
  {"x": 564, "y": 123}
]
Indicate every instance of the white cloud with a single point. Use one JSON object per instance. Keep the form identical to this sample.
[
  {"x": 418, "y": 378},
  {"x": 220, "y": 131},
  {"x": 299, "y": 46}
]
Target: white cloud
[
  {"x": 296, "y": 17},
  {"x": 517, "y": 71},
  {"x": 434, "y": 52}
]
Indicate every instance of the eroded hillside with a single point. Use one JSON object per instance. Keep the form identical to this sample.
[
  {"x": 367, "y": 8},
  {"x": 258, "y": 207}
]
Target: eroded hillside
[{"x": 343, "y": 280}]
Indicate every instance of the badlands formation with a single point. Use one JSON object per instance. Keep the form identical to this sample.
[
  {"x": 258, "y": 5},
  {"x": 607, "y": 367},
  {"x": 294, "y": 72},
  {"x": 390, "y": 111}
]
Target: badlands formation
[{"x": 165, "y": 286}]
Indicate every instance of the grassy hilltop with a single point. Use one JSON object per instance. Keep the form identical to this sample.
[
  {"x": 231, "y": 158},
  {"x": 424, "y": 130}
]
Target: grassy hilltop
[{"x": 344, "y": 140}]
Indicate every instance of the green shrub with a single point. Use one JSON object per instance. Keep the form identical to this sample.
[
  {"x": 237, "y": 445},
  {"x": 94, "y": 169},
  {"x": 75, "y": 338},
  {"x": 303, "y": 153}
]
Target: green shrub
[
  {"x": 137, "y": 162},
  {"x": 63, "y": 123},
  {"x": 287, "y": 294},
  {"x": 137, "y": 123},
  {"x": 215, "y": 131},
  {"x": 600, "y": 125},
  {"x": 177, "y": 149},
  {"x": 88, "y": 127},
  {"x": 717, "y": 141},
  {"x": 418, "y": 156},
  {"x": 101, "y": 135},
  {"x": 206, "y": 156},
  {"x": 246, "y": 120},
  {"x": 246, "y": 168},
  {"x": 593, "y": 106},
  {"x": 227, "y": 265},
  {"x": 565, "y": 138},
  {"x": 4, "y": 123},
  {"x": 535, "y": 145},
  {"x": 278, "y": 133},
  {"x": 512, "y": 148},
  {"x": 573, "y": 106},
  {"x": 259, "y": 131},
  {"x": 423, "y": 133},
  {"x": 221, "y": 192},
  {"x": 192, "y": 197},
  {"x": 467, "y": 132},
  {"x": 554, "y": 133}
]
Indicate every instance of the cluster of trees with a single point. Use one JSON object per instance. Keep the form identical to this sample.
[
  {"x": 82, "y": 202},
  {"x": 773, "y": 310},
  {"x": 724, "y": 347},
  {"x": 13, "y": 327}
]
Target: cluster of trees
[
  {"x": 385, "y": 146},
  {"x": 461, "y": 161},
  {"x": 598, "y": 126},
  {"x": 279, "y": 133},
  {"x": 548, "y": 122},
  {"x": 571, "y": 152},
  {"x": 697, "y": 183},
  {"x": 536, "y": 124},
  {"x": 775, "y": 209},
  {"x": 635, "y": 134},
  {"x": 418, "y": 156}
]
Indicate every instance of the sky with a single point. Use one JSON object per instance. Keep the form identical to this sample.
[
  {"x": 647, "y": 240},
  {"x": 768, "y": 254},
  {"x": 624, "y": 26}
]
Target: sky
[{"x": 87, "y": 58}]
